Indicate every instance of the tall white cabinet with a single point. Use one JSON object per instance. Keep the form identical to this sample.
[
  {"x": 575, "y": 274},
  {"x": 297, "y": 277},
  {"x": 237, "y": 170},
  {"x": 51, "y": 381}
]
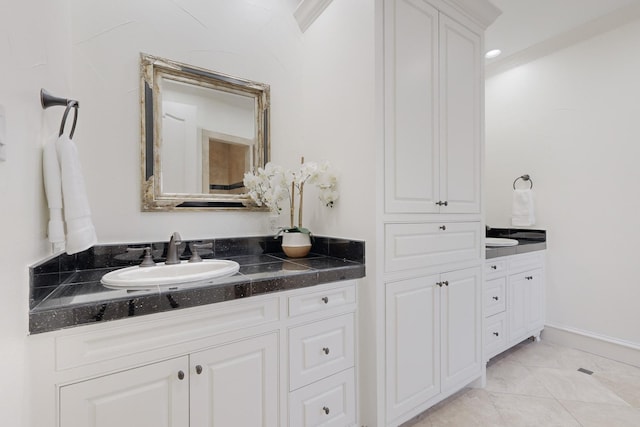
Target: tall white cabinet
[{"x": 432, "y": 211}]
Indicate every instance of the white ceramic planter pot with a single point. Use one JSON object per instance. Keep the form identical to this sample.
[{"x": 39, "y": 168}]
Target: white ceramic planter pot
[{"x": 296, "y": 245}]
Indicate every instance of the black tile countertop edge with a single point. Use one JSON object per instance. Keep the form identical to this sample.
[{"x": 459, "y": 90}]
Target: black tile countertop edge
[
  {"x": 521, "y": 248},
  {"x": 64, "y": 295},
  {"x": 528, "y": 241}
]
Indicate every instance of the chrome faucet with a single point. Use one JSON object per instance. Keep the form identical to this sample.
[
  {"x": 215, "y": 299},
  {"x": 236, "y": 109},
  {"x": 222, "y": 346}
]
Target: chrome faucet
[{"x": 172, "y": 250}]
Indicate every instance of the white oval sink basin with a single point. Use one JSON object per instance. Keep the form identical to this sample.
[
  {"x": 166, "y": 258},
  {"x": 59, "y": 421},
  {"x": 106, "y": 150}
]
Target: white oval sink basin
[
  {"x": 496, "y": 242},
  {"x": 164, "y": 275}
]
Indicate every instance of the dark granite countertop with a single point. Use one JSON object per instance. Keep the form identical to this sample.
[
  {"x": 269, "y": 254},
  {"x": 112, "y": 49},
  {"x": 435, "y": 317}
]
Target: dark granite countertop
[
  {"x": 528, "y": 241},
  {"x": 66, "y": 289}
]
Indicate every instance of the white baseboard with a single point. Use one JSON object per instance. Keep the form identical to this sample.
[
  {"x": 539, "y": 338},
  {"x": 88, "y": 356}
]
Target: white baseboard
[{"x": 604, "y": 346}]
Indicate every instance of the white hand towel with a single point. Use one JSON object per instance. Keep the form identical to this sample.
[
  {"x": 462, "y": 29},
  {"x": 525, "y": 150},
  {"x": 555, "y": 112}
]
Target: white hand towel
[
  {"x": 81, "y": 234},
  {"x": 53, "y": 190},
  {"x": 522, "y": 209}
]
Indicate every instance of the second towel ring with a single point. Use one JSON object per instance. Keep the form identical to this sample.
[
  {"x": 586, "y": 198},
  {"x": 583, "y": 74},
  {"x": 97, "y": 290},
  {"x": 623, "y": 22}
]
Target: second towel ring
[{"x": 524, "y": 178}]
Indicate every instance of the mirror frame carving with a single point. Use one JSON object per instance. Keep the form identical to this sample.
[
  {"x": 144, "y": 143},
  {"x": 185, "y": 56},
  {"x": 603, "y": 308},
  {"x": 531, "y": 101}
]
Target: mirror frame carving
[{"x": 152, "y": 70}]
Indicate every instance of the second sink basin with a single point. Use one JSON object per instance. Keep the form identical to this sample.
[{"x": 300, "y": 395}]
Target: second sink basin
[
  {"x": 496, "y": 242},
  {"x": 164, "y": 275}
]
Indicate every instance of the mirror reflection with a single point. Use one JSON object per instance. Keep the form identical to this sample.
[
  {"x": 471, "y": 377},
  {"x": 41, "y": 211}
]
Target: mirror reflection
[{"x": 202, "y": 131}]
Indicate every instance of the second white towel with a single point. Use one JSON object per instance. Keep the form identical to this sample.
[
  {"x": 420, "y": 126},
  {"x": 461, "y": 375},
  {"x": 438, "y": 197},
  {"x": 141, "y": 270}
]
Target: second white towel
[{"x": 522, "y": 214}]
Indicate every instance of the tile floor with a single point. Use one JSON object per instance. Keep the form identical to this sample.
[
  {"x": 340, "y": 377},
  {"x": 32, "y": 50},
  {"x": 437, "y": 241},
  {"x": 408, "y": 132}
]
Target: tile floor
[{"x": 538, "y": 384}]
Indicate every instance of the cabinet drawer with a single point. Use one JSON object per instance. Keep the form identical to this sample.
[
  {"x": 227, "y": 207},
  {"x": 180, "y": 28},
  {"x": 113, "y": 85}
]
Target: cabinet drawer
[
  {"x": 320, "y": 301},
  {"x": 330, "y": 402},
  {"x": 495, "y": 267},
  {"x": 494, "y": 296},
  {"x": 320, "y": 349},
  {"x": 525, "y": 262},
  {"x": 422, "y": 245},
  {"x": 495, "y": 335},
  {"x": 113, "y": 342}
]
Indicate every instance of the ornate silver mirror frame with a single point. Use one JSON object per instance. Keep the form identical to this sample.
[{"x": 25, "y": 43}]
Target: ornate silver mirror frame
[{"x": 198, "y": 163}]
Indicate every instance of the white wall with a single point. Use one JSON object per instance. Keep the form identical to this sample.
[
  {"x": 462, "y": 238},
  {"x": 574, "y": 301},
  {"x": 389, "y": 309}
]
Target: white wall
[
  {"x": 572, "y": 121},
  {"x": 34, "y": 53},
  {"x": 321, "y": 103}
]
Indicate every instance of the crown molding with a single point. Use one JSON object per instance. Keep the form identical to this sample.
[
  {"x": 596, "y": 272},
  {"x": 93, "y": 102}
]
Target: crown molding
[
  {"x": 581, "y": 33},
  {"x": 483, "y": 11},
  {"x": 308, "y": 11}
]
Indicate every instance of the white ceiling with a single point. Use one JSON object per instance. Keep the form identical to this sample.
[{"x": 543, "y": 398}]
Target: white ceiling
[{"x": 528, "y": 25}]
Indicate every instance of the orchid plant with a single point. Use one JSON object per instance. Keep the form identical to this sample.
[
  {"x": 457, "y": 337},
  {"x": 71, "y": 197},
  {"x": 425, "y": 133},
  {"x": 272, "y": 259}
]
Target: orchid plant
[{"x": 275, "y": 187}]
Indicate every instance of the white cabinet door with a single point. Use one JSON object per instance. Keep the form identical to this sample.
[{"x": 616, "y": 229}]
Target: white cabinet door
[
  {"x": 433, "y": 334},
  {"x": 236, "y": 384},
  {"x": 155, "y": 395},
  {"x": 535, "y": 301},
  {"x": 412, "y": 347},
  {"x": 432, "y": 111},
  {"x": 526, "y": 304},
  {"x": 460, "y": 112},
  {"x": 517, "y": 306},
  {"x": 461, "y": 327},
  {"x": 411, "y": 107}
]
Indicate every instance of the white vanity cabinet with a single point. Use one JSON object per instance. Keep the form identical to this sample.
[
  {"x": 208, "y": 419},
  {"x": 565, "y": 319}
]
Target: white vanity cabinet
[
  {"x": 433, "y": 327},
  {"x": 285, "y": 358},
  {"x": 433, "y": 111},
  {"x": 513, "y": 301}
]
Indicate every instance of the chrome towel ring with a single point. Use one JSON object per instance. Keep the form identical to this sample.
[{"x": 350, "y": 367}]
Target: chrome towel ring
[
  {"x": 47, "y": 100},
  {"x": 524, "y": 178}
]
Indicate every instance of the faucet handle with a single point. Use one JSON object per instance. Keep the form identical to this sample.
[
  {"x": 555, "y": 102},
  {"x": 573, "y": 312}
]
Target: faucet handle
[
  {"x": 148, "y": 258},
  {"x": 195, "y": 257}
]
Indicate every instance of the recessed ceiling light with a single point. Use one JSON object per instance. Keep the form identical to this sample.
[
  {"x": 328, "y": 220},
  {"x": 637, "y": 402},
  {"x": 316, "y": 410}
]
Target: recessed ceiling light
[{"x": 492, "y": 53}]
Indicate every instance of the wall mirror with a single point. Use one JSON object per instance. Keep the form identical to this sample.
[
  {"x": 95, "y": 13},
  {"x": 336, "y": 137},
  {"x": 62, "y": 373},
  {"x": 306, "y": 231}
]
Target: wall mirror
[{"x": 201, "y": 131}]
